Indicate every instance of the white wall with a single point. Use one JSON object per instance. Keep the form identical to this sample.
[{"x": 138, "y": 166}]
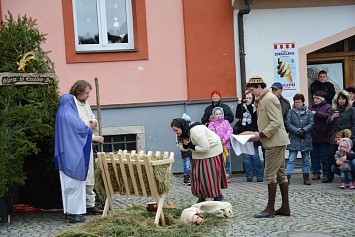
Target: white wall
[{"x": 303, "y": 26}]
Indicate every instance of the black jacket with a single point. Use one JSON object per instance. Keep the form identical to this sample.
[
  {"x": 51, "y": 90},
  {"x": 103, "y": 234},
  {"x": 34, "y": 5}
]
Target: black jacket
[
  {"x": 327, "y": 87},
  {"x": 228, "y": 114},
  {"x": 239, "y": 128},
  {"x": 285, "y": 106}
]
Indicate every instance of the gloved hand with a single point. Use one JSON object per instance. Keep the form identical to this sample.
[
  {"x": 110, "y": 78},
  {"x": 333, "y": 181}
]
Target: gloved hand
[{"x": 301, "y": 133}]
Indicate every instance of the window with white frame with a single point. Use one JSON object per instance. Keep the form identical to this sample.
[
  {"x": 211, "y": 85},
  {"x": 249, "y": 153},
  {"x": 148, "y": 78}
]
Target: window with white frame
[{"x": 103, "y": 25}]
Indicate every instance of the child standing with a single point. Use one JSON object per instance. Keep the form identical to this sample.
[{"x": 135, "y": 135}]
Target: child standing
[
  {"x": 186, "y": 158},
  {"x": 346, "y": 175},
  {"x": 247, "y": 121},
  {"x": 223, "y": 129}
]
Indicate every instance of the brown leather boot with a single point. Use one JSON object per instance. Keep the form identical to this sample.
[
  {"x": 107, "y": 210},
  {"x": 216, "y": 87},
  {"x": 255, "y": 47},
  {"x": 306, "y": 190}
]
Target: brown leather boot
[
  {"x": 306, "y": 179},
  {"x": 285, "y": 208},
  {"x": 269, "y": 211}
]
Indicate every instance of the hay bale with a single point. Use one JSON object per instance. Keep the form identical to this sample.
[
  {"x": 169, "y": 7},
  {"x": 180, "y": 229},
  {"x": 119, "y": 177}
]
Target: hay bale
[{"x": 163, "y": 176}]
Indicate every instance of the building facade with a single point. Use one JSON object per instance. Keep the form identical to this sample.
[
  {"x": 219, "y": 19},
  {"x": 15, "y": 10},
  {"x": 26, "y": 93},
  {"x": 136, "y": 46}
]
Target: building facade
[{"x": 158, "y": 59}]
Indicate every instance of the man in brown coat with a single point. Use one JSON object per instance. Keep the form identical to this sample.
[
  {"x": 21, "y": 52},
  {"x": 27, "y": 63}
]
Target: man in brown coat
[{"x": 274, "y": 138}]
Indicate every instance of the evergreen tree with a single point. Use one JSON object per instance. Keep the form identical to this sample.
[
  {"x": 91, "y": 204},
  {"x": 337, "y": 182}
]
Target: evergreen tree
[{"x": 27, "y": 116}]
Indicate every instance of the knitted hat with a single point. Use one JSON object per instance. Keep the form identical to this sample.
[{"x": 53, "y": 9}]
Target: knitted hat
[
  {"x": 350, "y": 89},
  {"x": 186, "y": 117},
  {"x": 322, "y": 94},
  {"x": 255, "y": 80},
  {"x": 347, "y": 143},
  {"x": 319, "y": 97},
  {"x": 216, "y": 92}
]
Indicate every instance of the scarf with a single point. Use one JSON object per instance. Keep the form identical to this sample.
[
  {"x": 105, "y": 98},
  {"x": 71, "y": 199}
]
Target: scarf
[
  {"x": 300, "y": 110},
  {"x": 246, "y": 116},
  {"x": 185, "y": 127},
  {"x": 341, "y": 108}
]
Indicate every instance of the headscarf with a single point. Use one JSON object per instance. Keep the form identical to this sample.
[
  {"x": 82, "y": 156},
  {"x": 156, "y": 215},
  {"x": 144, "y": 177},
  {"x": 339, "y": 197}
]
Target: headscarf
[
  {"x": 184, "y": 125},
  {"x": 72, "y": 140}
]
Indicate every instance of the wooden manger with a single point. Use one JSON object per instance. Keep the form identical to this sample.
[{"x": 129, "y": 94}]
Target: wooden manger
[{"x": 132, "y": 174}]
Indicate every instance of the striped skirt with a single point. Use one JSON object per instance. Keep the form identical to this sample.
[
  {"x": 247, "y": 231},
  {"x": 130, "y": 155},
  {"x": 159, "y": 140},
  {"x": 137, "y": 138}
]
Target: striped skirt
[{"x": 208, "y": 177}]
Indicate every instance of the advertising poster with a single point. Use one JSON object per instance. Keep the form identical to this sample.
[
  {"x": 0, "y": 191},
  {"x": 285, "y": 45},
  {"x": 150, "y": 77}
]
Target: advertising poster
[{"x": 285, "y": 67}]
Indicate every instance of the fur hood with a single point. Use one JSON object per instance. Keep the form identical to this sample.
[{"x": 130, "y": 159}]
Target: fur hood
[{"x": 335, "y": 101}]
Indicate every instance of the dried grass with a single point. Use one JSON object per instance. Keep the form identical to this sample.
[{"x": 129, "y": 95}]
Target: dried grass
[{"x": 136, "y": 221}]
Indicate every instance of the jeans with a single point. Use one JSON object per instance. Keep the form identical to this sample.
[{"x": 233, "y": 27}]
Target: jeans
[
  {"x": 227, "y": 164},
  {"x": 346, "y": 177},
  {"x": 253, "y": 165},
  {"x": 292, "y": 159},
  {"x": 187, "y": 164},
  {"x": 336, "y": 170},
  {"x": 319, "y": 158}
]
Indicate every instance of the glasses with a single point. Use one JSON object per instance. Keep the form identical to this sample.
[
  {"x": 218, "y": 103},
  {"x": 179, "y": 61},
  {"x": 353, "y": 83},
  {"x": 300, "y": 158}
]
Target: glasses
[{"x": 298, "y": 102}]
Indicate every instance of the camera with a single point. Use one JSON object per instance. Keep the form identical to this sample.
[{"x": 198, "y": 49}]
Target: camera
[{"x": 244, "y": 101}]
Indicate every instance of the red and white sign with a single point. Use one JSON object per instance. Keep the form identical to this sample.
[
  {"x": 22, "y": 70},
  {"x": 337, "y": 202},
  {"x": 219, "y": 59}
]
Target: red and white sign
[{"x": 285, "y": 67}]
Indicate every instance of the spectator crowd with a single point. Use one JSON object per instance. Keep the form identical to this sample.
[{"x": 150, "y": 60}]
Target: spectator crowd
[{"x": 323, "y": 133}]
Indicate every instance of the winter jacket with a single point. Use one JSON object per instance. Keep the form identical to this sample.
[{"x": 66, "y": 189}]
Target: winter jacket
[
  {"x": 351, "y": 156},
  {"x": 204, "y": 143},
  {"x": 327, "y": 87},
  {"x": 339, "y": 154},
  {"x": 270, "y": 122},
  {"x": 223, "y": 129},
  {"x": 320, "y": 118},
  {"x": 300, "y": 141},
  {"x": 253, "y": 126},
  {"x": 185, "y": 154},
  {"x": 228, "y": 114},
  {"x": 346, "y": 117},
  {"x": 285, "y": 106}
]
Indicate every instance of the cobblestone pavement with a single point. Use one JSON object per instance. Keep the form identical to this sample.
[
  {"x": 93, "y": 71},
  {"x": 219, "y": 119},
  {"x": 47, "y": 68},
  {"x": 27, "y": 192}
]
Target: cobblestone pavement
[{"x": 316, "y": 210}]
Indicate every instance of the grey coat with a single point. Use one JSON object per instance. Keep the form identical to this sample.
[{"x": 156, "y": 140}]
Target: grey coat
[{"x": 294, "y": 124}]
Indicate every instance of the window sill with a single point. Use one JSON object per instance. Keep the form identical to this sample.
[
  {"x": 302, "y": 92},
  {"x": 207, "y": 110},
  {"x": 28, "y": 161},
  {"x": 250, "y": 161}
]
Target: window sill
[{"x": 108, "y": 51}]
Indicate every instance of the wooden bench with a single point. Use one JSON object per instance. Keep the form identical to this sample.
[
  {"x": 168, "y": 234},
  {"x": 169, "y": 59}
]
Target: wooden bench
[{"x": 133, "y": 170}]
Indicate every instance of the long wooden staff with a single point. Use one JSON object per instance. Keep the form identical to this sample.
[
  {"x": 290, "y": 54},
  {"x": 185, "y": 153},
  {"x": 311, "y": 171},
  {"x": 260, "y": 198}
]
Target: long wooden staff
[{"x": 98, "y": 110}]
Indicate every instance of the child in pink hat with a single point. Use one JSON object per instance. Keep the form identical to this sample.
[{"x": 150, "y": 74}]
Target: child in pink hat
[{"x": 346, "y": 175}]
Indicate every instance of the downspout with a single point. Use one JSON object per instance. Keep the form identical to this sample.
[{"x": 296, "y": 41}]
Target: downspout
[{"x": 241, "y": 41}]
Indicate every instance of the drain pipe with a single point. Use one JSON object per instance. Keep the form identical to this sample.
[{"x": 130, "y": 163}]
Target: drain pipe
[{"x": 241, "y": 13}]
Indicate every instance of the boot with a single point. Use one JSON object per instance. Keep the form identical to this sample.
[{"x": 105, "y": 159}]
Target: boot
[
  {"x": 269, "y": 211},
  {"x": 288, "y": 179},
  {"x": 306, "y": 179},
  {"x": 219, "y": 198},
  {"x": 284, "y": 209},
  {"x": 186, "y": 179},
  {"x": 329, "y": 178}
]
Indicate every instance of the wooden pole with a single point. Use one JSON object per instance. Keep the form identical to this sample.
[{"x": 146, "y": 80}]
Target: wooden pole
[{"x": 98, "y": 110}]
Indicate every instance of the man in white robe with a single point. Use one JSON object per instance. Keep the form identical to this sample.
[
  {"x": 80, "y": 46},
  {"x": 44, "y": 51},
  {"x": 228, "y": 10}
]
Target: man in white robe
[
  {"x": 72, "y": 148},
  {"x": 81, "y": 90}
]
